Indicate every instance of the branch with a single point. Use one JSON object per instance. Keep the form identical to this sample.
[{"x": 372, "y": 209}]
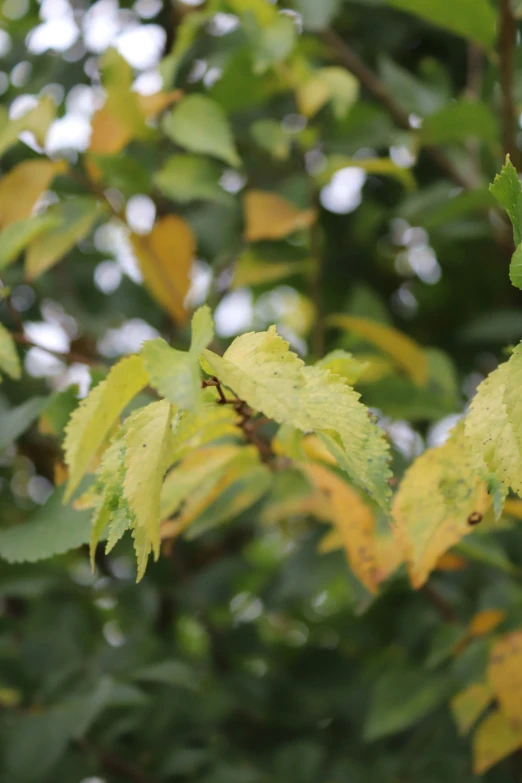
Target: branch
[
  {"x": 66, "y": 356},
  {"x": 507, "y": 43},
  {"x": 371, "y": 82}
]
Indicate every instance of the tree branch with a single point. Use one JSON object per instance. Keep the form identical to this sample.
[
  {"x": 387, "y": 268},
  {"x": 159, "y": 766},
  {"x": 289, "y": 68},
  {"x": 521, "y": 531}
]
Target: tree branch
[
  {"x": 507, "y": 43},
  {"x": 371, "y": 82}
]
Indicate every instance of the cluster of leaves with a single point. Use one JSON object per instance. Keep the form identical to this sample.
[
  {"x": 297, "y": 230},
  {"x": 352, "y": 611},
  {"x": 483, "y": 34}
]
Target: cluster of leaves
[{"x": 291, "y": 520}]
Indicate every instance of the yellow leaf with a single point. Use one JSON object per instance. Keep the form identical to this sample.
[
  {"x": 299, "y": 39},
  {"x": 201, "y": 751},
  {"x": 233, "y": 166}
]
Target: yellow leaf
[
  {"x": 505, "y": 676},
  {"x": 92, "y": 420},
  {"x": 270, "y": 216},
  {"x": 494, "y": 739},
  {"x": 389, "y": 554},
  {"x": 148, "y": 445},
  {"x": 405, "y": 351},
  {"x": 354, "y": 520},
  {"x": 468, "y": 705},
  {"x": 22, "y": 186},
  {"x": 327, "y": 84},
  {"x": 109, "y": 135},
  {"x": 315, "y": 450},
  {"x": 513, "y": 508},
  {"x": 151, "y": 105},
  {"x": 433, "y": 505},
  {"x": 9, "y": 359},
  {"x": 485, "y": 621},
  {"x": 165, "y": 257}
]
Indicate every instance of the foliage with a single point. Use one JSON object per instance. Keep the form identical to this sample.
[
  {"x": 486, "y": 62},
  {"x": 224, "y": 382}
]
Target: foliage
[{"x": 257, "y": 322}]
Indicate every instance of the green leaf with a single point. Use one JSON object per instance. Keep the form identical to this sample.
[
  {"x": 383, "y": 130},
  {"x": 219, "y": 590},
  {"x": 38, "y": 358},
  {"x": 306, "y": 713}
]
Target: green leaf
[
  {"x": 261, "y": 370},
  {"x": 270, "y": 136},
  {"x": 93, "y": 419},
  {"x": 474, "y": 19},
  {"x": 124, "y": 173},
  {"x": 148, "y": 446},
  {"x": 37, "y": 120},
  {"x": 199, "y": 124},
  {"x": 75, "y": 217},
  {"x": 317, "y": 15},
  {"x": 14, "y": 421},
  {"x": 515, "y": 268},
  {"x": 9, "y": 359},
  {"x": 175, "y": 374},
  {"x": 50, "y": 530},
  {"x": 459, "y": 121},
  {"x": 18, "y": 235},
  {"x": 186, "y": 178},
  {"x": 507, "y": 189}
]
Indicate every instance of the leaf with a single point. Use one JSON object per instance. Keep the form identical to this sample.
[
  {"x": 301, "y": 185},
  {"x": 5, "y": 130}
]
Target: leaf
[
  {"x": 468, "y": 705},
  {"x": 494, "y": 739},
  {"x": 175, "y": 374},
  {"x": 37, "y": 120},
  {"x": 459, "y": 121},
  {"x": 76, "y": 217},
  {"x": 474, "y": 19},
  {"x": 271, "y": 216},
  {"x": 186, "y": 178},
  {"x": 317, "y": 16},
  {"x": 344, "y": 364},
  {"x": 270, "y": 136},
  {"x": 22, "y": 187},
  {"x": 515, "y": 268},
  {"x": 380, "y": 167},
  {"x": 436, "y": 497},
  {"x": 354, "y": 520},
  {"x": 505, "y": 676},
  {"x": 251, "y": 270},
  {"x": 199, "y": 124},
  {"x": 93, "y": 419},
  {"x": 507, "y": 189},
  {"x": 261, "y": 370},
  {"x": 9, "y": 359},
  {"x": 208, "y": 423},
  {"x": 17, "y": 236},
  {"x": 324, "y": 85},
  {"x": 405, "y": 351},
  {"x": 484, "y": 622},
  {"x": 50, "y": 530},
  {"x": 15, "y": 421},
  {"x": 147, "y": 451},
  {"x": 186, "y": 33},
  {"x": 165, "y": 257}
]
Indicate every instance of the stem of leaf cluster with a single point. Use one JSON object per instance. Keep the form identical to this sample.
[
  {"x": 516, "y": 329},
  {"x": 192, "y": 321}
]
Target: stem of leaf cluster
[{"x": 507, "y": 44}]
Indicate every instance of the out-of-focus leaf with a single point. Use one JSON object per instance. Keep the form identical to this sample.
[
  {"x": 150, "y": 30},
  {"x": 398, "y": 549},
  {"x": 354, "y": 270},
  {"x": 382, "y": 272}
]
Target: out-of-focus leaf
[
  {"x": 505, "y": 676},
  {"x": 17, "y": 236},
  {"x": 76, "y": 217},
  {"x": 317, "y": 16},
  {"x": 468, "y": 705},
  {"x": 50, "y": 530},
  {"x": 270, "y": 136},
  {"x": 405, "y": 351},
  {"x": 14, "y": 421},
  {"x": 9, "y": 359},
  {"x": 344, "y": 364},
  {"x": 271, "y": 216},
  {"x": 484, "y": 622},
  {"x": 199, "y": 124},
  {"x": 186, "y": 178},
  {"x": 494, "y": 739},
  {"x": 458, "y": 122},
  {"x": 473, "y": 19},
  {"x": 383, "y": 167},
  {"x": 124, "y": 173},
  {"x": 496, "y": 326},
  {"x": 165, "y": 257},
  {"x": 37, "y": 120},
  {"x": 23, "y": 185},
  {"x": 252, "y": 270},
  {"x": 324, "y": 85}
]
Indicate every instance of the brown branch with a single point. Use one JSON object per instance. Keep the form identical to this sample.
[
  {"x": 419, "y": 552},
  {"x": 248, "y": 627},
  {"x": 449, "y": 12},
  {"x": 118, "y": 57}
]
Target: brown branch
[
  {"x": 506, "y": 45},
  {"x": 66, "y": 356},
  {"x": 114, "y": 763},
  {"x": 371, "y": 82}
]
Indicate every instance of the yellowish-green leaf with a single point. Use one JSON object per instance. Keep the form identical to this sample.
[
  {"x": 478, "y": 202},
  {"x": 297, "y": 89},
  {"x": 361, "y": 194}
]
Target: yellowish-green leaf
[
  {"x": 100, "y": 520},
  {"x": 37, "y": 120},
  {"x": 401, "y": 348},
  {"x": 328, "y": 84},
  {"x": 199, "y": 124},
  {"x": 344, "y": 364},
  {"x": 271, "y": 216},
  {"x": 505, "y": 676},
  {"x": 17, "y": 236},
  {"x": 381, "y": 167},
  {"x": 474, "y": 19},
  {"x": 22, "y": 187},
  {"x": 251, "y": 270},
  {"x": 513, "y": 508},
  {"x": 486, "y": 621},
  {"x": 165, "y": 257},
  {"x": 76, "y": 217},
  {"x": 208, "y": 423},
  {"x": 468, "y": 705},
  {"x": 148, "y": 445},
  {"x": 9, "y": 359},
  {"x": 175, "y": 374},
  {"x": 270, "y": 135},
  {"x": 494, "y": 740},
  {"x": 93, "y": 419},
  {"x": 260, "y": 369},
  {"x": 437, "y": 497},
  {"x": 354, "y": 519}
]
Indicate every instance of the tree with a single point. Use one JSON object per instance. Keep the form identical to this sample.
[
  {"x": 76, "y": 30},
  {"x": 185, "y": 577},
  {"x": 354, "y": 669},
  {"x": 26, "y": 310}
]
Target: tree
[{"x": 261, "y": 435}]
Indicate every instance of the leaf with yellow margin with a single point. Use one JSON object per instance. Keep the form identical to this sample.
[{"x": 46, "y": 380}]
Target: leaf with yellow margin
[
  {"x": 95, "y": 416},
  {"x": 353, "y": 518},
  {"x": 165, "y": 257},
  {"x": 435, "y": 500},
  {"x": 468, "y": 705},
  {"x": 271, "y": 216},
  {"x": 21, "y": 188},
  {"x": 494, "y": 739},
  {"x": 505, "y": 676},
  {"x": 148, "y": 445},
  {"x": 405, "y": 351}
]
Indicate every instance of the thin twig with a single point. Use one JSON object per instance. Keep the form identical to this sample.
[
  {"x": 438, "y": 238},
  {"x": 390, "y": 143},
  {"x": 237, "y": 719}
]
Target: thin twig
[
  {"x": 66, "y": 356},
  {"x": 507, "y": 43},
  {"x": 371, "y": 82}
]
